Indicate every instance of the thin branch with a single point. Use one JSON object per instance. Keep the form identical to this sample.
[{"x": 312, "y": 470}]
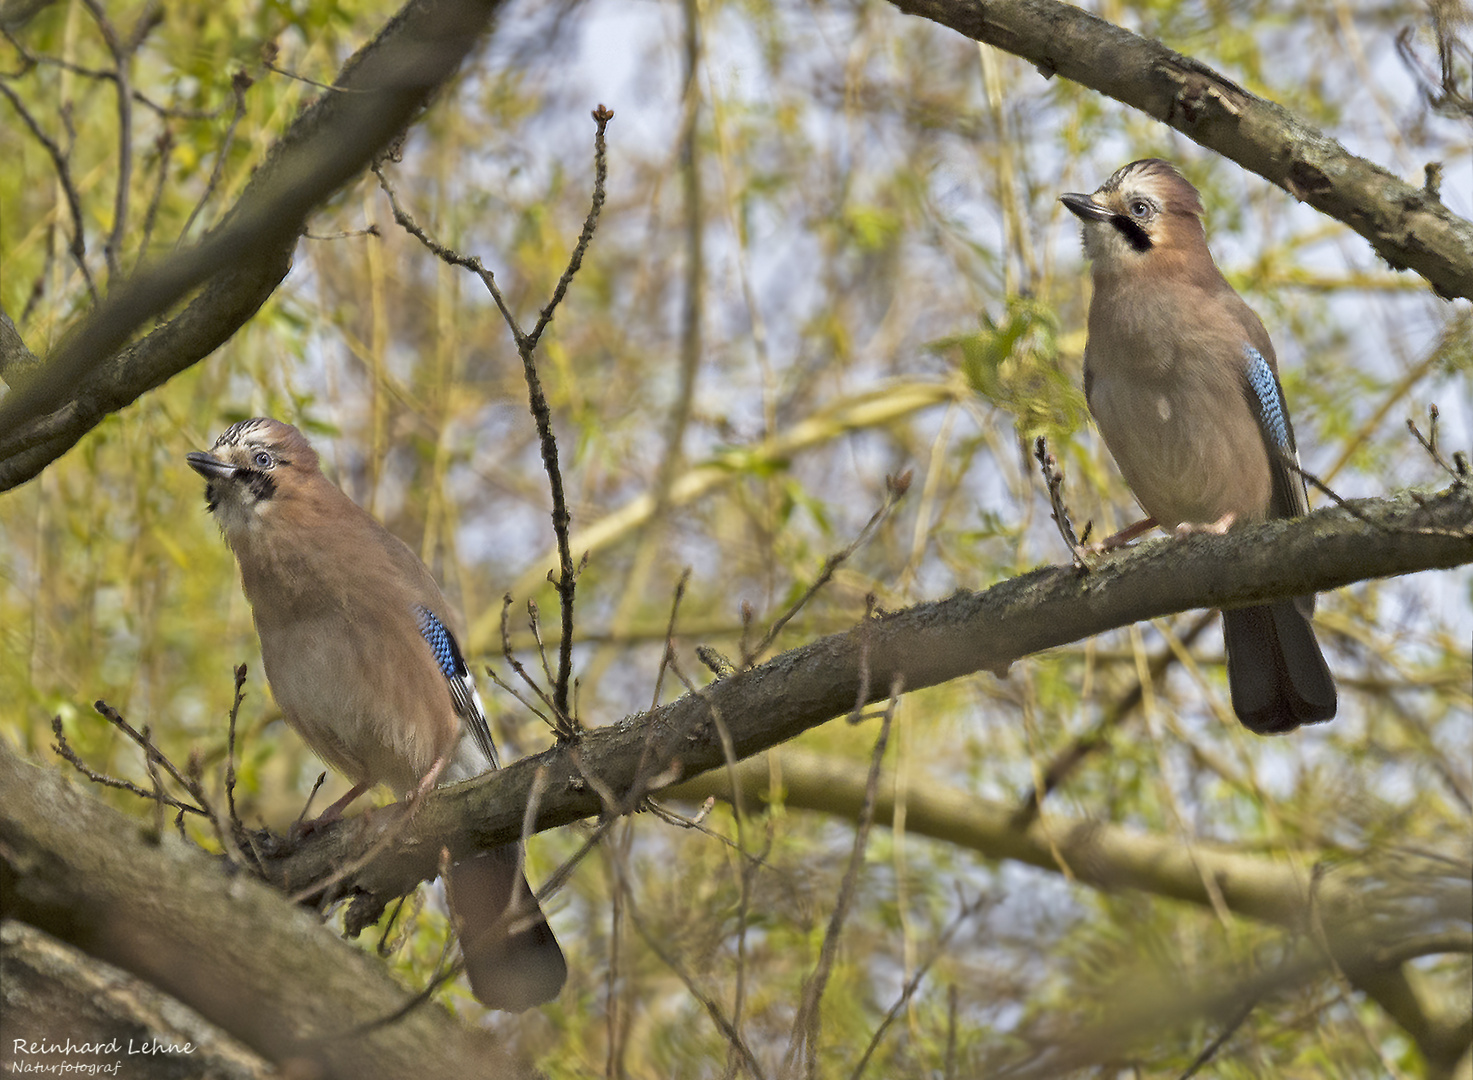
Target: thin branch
[
  {"x": 895, "y": 489},
  {"x": 78, "y": 245},
  {"x": 1053, "y": 478},
  {"x": 1098, "y": 736},
  {"x": 141, "y": 738},
  {"x": 164, "y": 145},
  {"x": 1406, "y": 225},
  {"x": 230, "y": 272},
  {"x": 656, "y": 944},
  {"x": 1229, "y": 1029},
  {"x": 516, "y": 666},
  {"x": 270, "y": 51},
  {"x": 240, "y": 82},
  {"x": 64, "y": 750},
  {"x": 805, "y": 1033},
  {"x": 668, "y": 656},
  {"x": 122, "y": 57},
  {"x": 938, "y": 950},
  {"x": 240, "y": 678},
  {"x": 601, "y": 118},
  {"x": 1458, "y": 470},
  {"x": 566, "y": 577},
  {"x": 145, "y": 23}
]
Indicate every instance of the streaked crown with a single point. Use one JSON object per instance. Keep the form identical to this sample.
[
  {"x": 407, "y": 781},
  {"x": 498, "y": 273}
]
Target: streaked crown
[
  {"x": 247, "y": 466},
  {"x": 1145, "y": 206}
]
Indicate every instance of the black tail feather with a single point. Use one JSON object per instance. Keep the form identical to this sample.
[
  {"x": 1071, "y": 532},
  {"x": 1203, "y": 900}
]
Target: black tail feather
[
  {"x": 511, "y": 956},
  {"x": 1276, "y": 672}
]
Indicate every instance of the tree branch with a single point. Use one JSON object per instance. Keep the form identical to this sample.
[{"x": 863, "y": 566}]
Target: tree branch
[
  {"x": 91, "y": 373},
  {"x": 1108, "y": 857},
  {"x": 1408, "y": 226},
  {"x": 228, "y": 946},
  {"x": 925, "y": 645},
  {"x": 56, "y": 874}
]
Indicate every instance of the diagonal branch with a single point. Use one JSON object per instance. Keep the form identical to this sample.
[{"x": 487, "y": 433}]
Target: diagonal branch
[
  {"x": 242, "y": 958},
  {"x": 925, "y": 645},
  {"x": 1408, "y": 226},
  {"x": 180, "y": 946},
  {"x": 240, "y": 263}
]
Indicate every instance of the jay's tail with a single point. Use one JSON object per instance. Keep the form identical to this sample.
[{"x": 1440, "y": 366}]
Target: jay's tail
[
  {"x": 511, "y": 957},
  {"x": 1276, "y": 673}
]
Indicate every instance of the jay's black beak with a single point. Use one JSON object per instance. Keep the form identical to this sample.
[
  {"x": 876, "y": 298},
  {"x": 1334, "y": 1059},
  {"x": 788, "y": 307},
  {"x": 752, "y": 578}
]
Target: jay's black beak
[
  {"x": 211, "y": 468},
  {"x": 1085, "y": 208}
]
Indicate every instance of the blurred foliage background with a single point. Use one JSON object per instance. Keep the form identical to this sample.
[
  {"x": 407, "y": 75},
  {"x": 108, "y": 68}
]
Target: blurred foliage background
[{"x": 832, "y": 251}]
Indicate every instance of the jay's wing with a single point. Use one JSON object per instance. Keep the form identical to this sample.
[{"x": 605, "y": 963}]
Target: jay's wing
[
  {"x": 462, "y": 686},
  {"x": 1266, "y": 398}
]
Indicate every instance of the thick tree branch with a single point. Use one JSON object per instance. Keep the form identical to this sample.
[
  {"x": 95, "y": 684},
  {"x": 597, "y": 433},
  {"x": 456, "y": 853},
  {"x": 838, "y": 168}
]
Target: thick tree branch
[
  {"x": 61, "y": 868},
  {"x": 1095, "y": 853},
  {"x": 239, "y": 264},
  {"x": 1408, "y": 226},
  {"x": 17, "y": 362},
  {"x": 225, "y": 944},
  {"x": 1109, "y": 857},
  {"x": 924, "y": 645}
]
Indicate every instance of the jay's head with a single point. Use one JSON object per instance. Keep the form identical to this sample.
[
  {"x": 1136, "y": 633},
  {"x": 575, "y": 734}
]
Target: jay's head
[
  {"x": 1147, "y": 209},
  {"x": 252, "y": 467}
]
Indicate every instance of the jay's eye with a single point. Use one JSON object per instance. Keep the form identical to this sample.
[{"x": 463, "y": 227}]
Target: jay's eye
[
  {"x": 262, "y": 459},
  {"x": 1139, "y": 208}
]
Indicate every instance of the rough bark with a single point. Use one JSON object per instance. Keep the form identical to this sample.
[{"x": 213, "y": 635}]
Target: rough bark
[
  {"x": 1408, "y": 226},
  {"x": 94, "y": 371}
]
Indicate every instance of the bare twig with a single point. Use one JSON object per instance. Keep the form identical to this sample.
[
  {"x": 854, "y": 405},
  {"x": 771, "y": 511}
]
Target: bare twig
[
  {"x": 269, "y": 52},
  {"x": 144, "y": 742},
  {"x": 240, "y": 678},
  {"x": 656, "y": 944},
  {"x": 561, "y": 519},
  {"x": 1098, "y": 736},
  {"x": 565, "y": 722},
  {"x": 1459, "y": 469},
  {"x": 1229, "y": 1029},
  {"x": 516, "y": 666},
  {"x": 1053, "y": 478},
  {"x": 895, "y": 489},
  {"x": 535, "y": 624},
  {"x": 64, "y": 750},
  {"x": 668, "y": 656},
  {"x": 164, "y": 145},
  {"x": 343, "y": 234},
  {"x": 805, "y": 1033},
  {"x": 122, "y": 57},
  {"x": 311, "y": 796},
  {"x": 240, "y": 82},
  {"x": 1443, "y": 94},
  {"x": 31, "y": 60},
  {"x": 59, "y": 160},
  {"x": 913, "y": 984}
]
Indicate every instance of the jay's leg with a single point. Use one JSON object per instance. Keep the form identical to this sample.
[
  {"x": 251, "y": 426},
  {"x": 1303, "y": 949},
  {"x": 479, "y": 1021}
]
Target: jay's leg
[
  {"x": 331, "y": 814},
  {"x": 1124, "y": 536}
]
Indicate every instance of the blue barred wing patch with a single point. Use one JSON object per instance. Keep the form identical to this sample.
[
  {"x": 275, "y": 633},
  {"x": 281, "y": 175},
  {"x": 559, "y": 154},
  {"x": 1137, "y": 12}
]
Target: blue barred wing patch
[
  {"x": 462, "y": 685},
  {"x": 1273, "y": 417},
  {"x": 1291, "y": 498}
]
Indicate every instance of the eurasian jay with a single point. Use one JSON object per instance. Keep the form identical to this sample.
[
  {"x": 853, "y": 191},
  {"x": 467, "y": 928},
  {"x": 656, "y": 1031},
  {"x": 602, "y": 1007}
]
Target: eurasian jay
[
  {"x": 1182, "y": 381},
  {"x": 360, "y": 653}
]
